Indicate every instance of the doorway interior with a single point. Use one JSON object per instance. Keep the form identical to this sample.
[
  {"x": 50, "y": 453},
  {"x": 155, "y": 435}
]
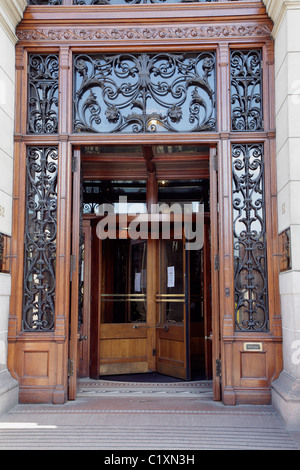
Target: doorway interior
[{"x": 145, "y": 303}]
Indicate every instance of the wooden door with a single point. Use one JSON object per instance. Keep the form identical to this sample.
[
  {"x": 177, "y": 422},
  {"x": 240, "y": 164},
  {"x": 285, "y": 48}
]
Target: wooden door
[
  {"x": 85, "y": 301},
  {"x": 73, "y": 362},
  {"x": 124, "y": 331},
  {"x": 215, "y": 260},
  {"x": 172, "y": 299}
]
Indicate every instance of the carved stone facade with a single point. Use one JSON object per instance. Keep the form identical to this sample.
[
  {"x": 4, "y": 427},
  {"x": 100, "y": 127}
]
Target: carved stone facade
[
  {"x": 10, "y": 14},
  {"x": 286, "y": 17}
]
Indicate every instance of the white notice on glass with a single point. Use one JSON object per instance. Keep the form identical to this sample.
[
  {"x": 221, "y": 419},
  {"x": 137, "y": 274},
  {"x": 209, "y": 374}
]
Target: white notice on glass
[
  {"x": 137, "y": 282},
  {"x": 171, "y": 276}
]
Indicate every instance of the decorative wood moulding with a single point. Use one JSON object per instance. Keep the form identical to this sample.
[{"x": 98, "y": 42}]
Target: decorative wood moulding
[{"x": 144, "y": 33}]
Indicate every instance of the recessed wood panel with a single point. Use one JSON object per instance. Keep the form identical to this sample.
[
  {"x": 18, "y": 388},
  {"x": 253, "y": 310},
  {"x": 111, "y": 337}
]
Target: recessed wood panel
[
  {"x": 36, "y": 364},
  {"x": 171, "y": 350},
  {"x": 253, "y": 365},
  {"x": 123, "y": 348}
]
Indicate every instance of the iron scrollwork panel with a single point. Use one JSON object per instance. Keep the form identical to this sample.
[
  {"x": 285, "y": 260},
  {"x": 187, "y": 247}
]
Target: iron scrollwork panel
[
  {"x": 135, "y": 2},
  {"x": 40, "y": 239},
  {"x": 45, "y": 2},
  {"x": 43, "y": 74},
  {"x": 246, "y": 90},
  {"x": 249, "y": 231},
  {"x": 144, "y": 93}
]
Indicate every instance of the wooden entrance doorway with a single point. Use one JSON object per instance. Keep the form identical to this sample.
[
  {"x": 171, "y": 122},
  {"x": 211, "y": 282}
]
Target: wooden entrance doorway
[{"x": 147, "y": 302}]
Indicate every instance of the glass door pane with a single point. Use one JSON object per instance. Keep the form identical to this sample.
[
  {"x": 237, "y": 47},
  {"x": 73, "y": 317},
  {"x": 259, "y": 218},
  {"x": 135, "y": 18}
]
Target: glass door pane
[
  {"x": 171, "y": 281},
  {"x": 124, "y": 284}
]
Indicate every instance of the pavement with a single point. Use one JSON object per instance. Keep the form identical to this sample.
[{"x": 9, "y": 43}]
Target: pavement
[{"x": 121, "y": 419}]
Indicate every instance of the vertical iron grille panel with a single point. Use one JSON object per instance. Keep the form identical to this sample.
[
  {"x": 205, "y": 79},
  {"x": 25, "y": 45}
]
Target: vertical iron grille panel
[
  {"x": 45, "y": 2},
  {"x": 246, "y": 90},
  {"x": 144, "y": 93},
  {"x": 40, "y": 239},
  {"x": 249, "y": 232},
  {"x": 43, "y": 73}
]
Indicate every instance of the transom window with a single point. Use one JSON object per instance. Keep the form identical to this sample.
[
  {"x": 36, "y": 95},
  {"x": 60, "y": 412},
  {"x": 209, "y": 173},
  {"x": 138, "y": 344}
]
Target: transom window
[{"x": 165, "y": 92}]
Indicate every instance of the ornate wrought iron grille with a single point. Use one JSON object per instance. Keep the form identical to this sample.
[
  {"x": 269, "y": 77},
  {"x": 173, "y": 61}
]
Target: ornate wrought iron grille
[
  {"x": 249, "y": 231},
  {"x": 144, "y": 93},
  {"x": 45, "y": 2},
  {"x": 135, "y": 2},
  {"x": 115, "y": 2},
  {"x": 43, "y": 74},
  {"x": 246, "y": 90},
  {"x": 40, "y": 239}
]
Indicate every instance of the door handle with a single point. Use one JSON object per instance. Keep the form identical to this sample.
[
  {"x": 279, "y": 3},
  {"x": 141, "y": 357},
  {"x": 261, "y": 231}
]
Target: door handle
[
  {"x": 208, "y": 338},
  {"x": 165, "y": 328}
]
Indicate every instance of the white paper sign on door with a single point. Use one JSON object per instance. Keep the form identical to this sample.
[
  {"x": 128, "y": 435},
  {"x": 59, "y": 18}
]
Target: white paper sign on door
[
  {"x": 171, "y": 276},
  {"x": 137, "y": 282}
]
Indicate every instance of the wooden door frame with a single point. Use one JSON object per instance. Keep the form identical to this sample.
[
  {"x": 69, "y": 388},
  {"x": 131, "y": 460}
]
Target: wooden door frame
[
  {"x": 219, "y": 27},
  {"x": 152, "y": 188}
]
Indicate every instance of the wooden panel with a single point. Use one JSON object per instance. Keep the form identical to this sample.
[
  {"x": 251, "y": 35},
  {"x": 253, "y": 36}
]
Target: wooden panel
[
  {"x": 125, "y": 330},
  {"x": 171, "y": 351},
  {"x": 253, "y": 371},
  {"x": 124, "y": 368},
  {"x": 253, "y": 365},
  {"x": 123, "y": 349},
  {"x": 36, "y": 364}
]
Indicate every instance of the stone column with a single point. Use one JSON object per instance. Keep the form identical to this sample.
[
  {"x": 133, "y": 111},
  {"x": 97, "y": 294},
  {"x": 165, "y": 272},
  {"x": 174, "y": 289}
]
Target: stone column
[
  {"x": 286, "y": 32},
  {"x": 11, "y": 12}
]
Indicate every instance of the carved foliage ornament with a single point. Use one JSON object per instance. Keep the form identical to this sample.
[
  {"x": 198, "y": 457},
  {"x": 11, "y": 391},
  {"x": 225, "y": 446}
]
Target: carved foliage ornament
[
  {"x": 144, "y": 93},
  {"x": 149, "y": 33}
]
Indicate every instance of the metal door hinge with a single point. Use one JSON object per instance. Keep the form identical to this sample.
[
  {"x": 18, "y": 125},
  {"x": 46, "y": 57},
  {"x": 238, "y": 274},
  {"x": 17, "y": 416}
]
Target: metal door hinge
[
  {"x": 70, "y": 367},
  {"x": 217, "y": 263},
  {"x": 218, "y": 367}
]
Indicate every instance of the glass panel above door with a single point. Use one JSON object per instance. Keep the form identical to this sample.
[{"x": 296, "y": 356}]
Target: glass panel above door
[
  {"x": 192, "y": 192},
  {"x": 164, "y": 92},
  {"x": 125, "y": 197}
]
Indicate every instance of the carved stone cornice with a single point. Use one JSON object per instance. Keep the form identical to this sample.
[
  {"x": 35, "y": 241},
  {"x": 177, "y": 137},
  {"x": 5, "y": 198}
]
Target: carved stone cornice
[
  {"x": 144, "y": 33},
  {"x": 277, "y": 10},
  {"x": 11, "y": 12}
]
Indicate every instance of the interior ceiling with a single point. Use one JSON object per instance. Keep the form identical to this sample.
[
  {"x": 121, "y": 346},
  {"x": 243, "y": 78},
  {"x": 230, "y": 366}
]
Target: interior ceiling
[{"x": 133, "y": 162}]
